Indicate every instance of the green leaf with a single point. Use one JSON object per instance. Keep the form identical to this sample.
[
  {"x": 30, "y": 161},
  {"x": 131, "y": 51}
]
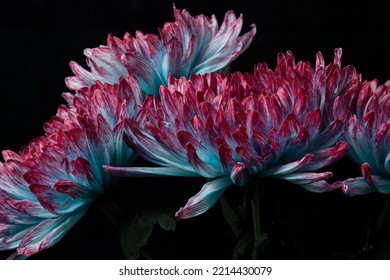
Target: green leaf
[
  {"x": 242, "y": 246},
  {"x": 135, "y": 232}
]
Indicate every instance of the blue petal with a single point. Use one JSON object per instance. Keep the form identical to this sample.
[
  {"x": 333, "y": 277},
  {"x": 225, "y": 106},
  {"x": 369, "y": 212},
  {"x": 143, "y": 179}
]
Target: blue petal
[
  {"x": 382, "y": 184},
  {"x": 205, "y": 199},
  {"x": 148, "y": 171},
  {"x": 48, "y": 233},
  {"x": 355, "y": 186},
  {"x": 387, "y": 163},
  {"x": 289, "y": 167}
]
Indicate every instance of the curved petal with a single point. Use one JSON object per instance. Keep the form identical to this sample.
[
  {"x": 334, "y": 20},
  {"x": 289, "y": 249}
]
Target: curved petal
[
  {"x": 382, "y": 184},
  {"x": 358, "y": 141},
  {"x": 187, "y": 46},
  {"x": 387, "y": 163},
  {"x": 327, "y": 156},
  {"x": 356, "y": 186},
  {"x": 321, "y": 186},
  {"x": 13, "y": 236},
  {"x": 239, "y": 174},
  {"x": 48, "y": 233},
  {"x": 306, "y": 177},
  {"x": 204, "y": 169},
  {"x": 289, "y": 167},
  {"x": 148, "y": 171},
  {"x": 74, "y": 190},
  {"x": 366, "y": 172},
  {"x": 205, "y": 198}
]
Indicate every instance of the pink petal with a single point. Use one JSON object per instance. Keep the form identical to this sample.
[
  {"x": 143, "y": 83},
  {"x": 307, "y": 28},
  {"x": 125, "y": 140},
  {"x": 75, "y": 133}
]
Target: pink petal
[
  {"x": 226, "y": 159},
  {"x": 204, "y": 199},
  {"x": 289, "y": 167},
  {"x": 47, "y": 233},
  {"x": 239, "y": 174},
  {"x": 357, "y": 186},
  {"x": 366, "y": 171},
  {"x": 199, "y": 165},
  {"x": 74, "y": 190}
]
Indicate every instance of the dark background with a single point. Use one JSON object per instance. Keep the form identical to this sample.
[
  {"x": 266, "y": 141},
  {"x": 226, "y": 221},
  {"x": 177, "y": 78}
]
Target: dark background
[{"x": 39, "y": 38}]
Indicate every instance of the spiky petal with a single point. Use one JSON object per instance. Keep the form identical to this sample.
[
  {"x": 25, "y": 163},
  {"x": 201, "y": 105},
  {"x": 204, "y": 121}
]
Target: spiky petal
[
  {"x": 234, "y": 128},
  {"x": 369, "y": 137},
  {"x": 366, "y": 107},
  {"x": 48, "y": 186},
  {"x": 190, "y": 45}
]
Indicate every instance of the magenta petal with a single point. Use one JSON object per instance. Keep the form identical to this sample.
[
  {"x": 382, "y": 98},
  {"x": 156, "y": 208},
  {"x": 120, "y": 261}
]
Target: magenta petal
[
  {"x": 313, "y": 123},
  {"x": 366, "y": 172},
  {"x": 289, "y": 167},
  {"x": 290, "y": 126},
  {"x": 306, "y": 177},
  {"x": 46, "y": 196},
  {"x": 22, "y": 209},
  {"x": 11, "y": 241},
  {"x": 239, "y": 174},
  {"x": 368, "y": 123},
  {"x": 11, "y": 155},
  {"x": 82, "y": 79},
  {"x": 199, "y": 165},
  {"x": 185, "y": 137},
  {"x": 357, "y": 186},
  {"x": 47, "y": 233},
  {"x": 358, "y": 140},
  {"x": 142, "y": 142},
  {"x": 204, "y": 199},
  {"x": 36, "y": 177},
  {"x": 74, "y": 190},
  {"x": 327, "y": 156},
  {"x": 252, "y": 161},
  {"x": 320, "y": 186},
  {"x": 382, "y": 139},
  {"x": 82, "y": 169},
  {"x": 173, "y": 59},
  {"x": 225, "y": 157}
]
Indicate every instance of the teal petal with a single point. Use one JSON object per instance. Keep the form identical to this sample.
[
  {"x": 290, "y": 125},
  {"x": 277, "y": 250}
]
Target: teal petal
[
  {"x": 148, "y": 171},
  {"x": 205, "y": 199}
]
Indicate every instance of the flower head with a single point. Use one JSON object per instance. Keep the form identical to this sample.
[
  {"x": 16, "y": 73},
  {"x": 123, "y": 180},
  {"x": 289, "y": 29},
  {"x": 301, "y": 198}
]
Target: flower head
[
  {"x": 187, "y": 46},
  {"x": 340, "y": 87},
  {"x": 366, "y": 105},
  {"x": 368, "y": 136},
  {"x": 48, "y": 186},
  {"x": 234, "y": 128}
]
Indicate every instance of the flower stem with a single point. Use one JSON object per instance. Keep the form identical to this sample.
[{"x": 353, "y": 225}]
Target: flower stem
[
  {"x": 112, "y": 212},
  {"x": 258, "y": 247},
  {"x": 383, "y": 215}
]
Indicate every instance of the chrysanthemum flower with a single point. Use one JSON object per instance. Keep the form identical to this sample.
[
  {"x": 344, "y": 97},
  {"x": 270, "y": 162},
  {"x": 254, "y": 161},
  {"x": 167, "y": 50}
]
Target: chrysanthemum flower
[
  {"x": 368, "y": 136},
  {"x": 231, "y": 129},
  {"x": 187, "y": 46},
  {"x": 367, "y": 133},
  {"x": 340, "y": 86},
  {"x": 48, "y": 186}
]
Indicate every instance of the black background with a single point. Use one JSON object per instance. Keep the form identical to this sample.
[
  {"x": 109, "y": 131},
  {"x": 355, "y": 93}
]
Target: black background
[{"x": 39, "y": 38}]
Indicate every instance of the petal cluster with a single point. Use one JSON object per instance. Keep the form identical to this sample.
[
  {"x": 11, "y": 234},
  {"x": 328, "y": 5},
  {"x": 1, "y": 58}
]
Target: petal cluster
[
  {"x": 187, "y": 46},
  {"x": 368, "y": 132},
  {"x": 237, "y": 127},
  {"x": 47, "y": 187}
]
